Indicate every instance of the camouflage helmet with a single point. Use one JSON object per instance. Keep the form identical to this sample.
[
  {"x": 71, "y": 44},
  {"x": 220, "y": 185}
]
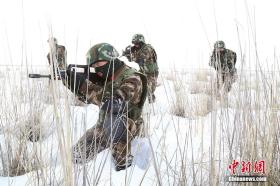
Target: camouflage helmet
[
  {"x": 219, "y": 44},
  {"x": 138, "y": 38},
  {"x": 101, "y": 52}
]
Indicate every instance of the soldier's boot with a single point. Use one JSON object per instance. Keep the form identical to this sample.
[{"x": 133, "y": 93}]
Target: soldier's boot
[
  {"x": 122, "y": 145},
  {"x": 128, "y": 163},
  {"x": 122, "y": 157},
  {"x": 90, "y": 144}
]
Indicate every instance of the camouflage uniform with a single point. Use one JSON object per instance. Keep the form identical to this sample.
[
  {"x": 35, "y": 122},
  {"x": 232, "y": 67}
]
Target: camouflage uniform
[
  {"x": 223, "y": 60},
  {"x": 59, "y": 54},
  {"x": 127, "y": 85},
  {"x": 145, "y": 56}
]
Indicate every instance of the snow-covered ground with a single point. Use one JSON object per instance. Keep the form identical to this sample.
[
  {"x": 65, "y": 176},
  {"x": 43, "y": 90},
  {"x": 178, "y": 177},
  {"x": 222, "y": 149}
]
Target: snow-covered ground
[
  {"x": 191, "y": 137},
  {"x": 193, "y": 147}
]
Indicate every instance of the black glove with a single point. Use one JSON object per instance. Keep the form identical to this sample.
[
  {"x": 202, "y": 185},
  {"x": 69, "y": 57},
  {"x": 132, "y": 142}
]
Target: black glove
[
  {"x": 115, "y": 105},
  {"x": 75, "y": 80}
]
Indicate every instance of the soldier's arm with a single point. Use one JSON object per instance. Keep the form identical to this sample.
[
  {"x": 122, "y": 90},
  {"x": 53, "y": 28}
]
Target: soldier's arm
[
  {"x": 92, "y": 92},
  {"x": 234, "y": 58},
  {"x": 147, "y": 55},
  {"x": 231, "y": 59},
  {"x": 61, "y": 53},
  {"x": 133, "y": 56},
  {"x": 212, "y": 60},
  {"x": 131, "y": 89},
  {"x": 127, "y": 52},
  {"x": 130, "y": 53}
]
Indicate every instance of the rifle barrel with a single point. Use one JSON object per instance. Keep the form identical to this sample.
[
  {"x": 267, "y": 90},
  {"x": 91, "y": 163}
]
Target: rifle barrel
[{"x": 38, "y": 76}]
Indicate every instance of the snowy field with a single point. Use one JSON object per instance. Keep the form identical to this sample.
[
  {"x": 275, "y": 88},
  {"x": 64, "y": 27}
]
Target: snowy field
[{"x": 191, "y": 136}]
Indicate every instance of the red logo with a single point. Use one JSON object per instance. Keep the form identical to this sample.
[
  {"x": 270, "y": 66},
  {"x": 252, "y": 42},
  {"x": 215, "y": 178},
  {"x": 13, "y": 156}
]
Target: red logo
[
  {"x": 233, "y": 166},
  {"x": 248, "y": 167}
]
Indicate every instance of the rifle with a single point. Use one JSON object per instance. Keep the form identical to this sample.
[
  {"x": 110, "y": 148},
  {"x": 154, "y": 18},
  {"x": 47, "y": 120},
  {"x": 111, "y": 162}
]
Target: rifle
[
  {"x": 128, "y": 51},
  {"x": 61, "y": 74}
]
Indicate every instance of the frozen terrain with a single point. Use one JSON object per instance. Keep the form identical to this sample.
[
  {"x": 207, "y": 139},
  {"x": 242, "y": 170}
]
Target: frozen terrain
[{"x": 191, "y": 136}]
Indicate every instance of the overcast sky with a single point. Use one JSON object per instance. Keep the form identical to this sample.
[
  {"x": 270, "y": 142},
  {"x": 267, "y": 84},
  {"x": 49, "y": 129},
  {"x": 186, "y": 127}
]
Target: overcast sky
[{"x": 182, "y": 31}]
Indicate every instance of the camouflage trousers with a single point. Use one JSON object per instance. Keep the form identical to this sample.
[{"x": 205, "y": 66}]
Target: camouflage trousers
[
  {"x": 95, "y": 141},
  {"x": 226, "y": 80},
  {"x": 152, "y": 84}
]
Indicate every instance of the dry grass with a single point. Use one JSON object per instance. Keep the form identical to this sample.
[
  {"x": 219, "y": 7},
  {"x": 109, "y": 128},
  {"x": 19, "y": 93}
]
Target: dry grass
[
  {"x": 200, "y": 87},
  {"x": 21, "y": 115},
  {"x": 195, "y": 148},
  {"x": 246, "y": 128}
]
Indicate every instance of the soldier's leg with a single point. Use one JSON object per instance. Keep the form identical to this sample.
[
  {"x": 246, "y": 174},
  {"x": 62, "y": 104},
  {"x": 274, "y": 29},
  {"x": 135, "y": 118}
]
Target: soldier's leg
[
  {"x": 234, "y": 75},
  {"x": 218, "y": 84},
  {"x": 152, "y": 83},
  {"x": 219, "y": 80},
  {"x": 121, "y": 147},
  {"x": 227, "y": 82},
  {"x": 90, "y": 144}
]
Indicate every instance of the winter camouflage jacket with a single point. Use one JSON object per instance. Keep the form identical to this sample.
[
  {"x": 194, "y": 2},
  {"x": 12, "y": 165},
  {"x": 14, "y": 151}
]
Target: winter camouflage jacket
[
  {"x": 128, "y": 84},
  {"x": 146, "y": 58},
  {"x": 223, "y": 61}
]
